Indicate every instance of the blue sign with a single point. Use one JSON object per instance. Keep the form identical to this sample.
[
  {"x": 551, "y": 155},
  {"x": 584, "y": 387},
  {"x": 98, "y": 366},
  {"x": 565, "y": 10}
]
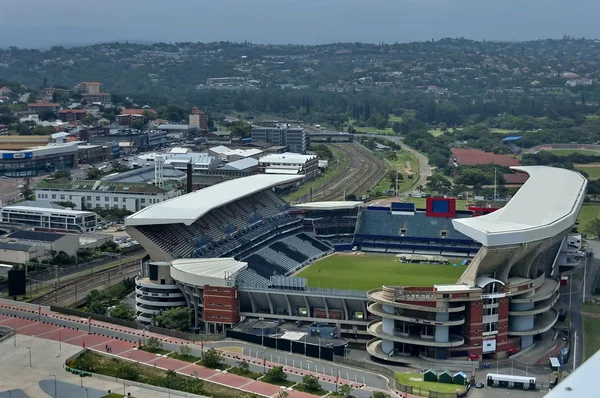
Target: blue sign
[{"x": 17, "y": 155}]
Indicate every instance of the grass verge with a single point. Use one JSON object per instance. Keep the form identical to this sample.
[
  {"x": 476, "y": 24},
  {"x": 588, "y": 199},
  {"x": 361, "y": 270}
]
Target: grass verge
[
  {"x": 591, "y": 336},
  {"x": 96, "y": 363},
  {"x": 416, "y": 381}
]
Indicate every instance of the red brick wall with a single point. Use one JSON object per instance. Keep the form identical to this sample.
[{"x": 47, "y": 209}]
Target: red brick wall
[{"x": 221, "y": 304}]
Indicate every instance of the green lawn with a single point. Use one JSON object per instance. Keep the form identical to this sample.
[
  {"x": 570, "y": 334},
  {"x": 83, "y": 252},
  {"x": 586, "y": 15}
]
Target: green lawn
[
  {"x": 591, "y": 307},
  {"x": 401, "y": 164},
  {"x": 588, "y": 212},
  {"x": 565, "y": 152},
  {"x": 410, "y": 379},
  {"x": 591, "y": 336},
  {"x": 365, "y": 272},
  {"x": 593, "y": 173}
]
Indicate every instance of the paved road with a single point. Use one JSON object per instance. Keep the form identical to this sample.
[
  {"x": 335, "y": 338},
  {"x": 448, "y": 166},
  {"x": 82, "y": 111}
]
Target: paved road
[{"x": 74, "y": 330}]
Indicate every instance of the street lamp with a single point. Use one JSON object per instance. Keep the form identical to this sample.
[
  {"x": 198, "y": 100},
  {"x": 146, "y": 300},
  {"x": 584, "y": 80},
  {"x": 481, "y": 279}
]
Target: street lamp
[
  {"x": 55, "y": 394},
  {"x": 29, "y": 348},
  {"x": 87, "y": 393}
]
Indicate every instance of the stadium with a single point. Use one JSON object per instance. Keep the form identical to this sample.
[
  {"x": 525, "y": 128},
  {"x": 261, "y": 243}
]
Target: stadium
[{"x": 436, "y": 283}]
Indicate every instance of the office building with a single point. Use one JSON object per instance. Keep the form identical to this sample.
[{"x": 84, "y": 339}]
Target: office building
[
  {"x": 294, "y": 138},
  {"x": 198, "y": 119},
  {"x": 50, "y": 219},
  {"x": 291, "y": 164}
]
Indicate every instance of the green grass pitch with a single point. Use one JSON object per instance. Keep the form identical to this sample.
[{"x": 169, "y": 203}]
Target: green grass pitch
[{"x": 364, "y": 272}]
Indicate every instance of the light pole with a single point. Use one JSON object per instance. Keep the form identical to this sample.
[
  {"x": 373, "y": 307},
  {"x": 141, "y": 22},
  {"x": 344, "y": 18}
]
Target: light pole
[
  {"x": 87, "y": 393},
  {"x": 29, "y": 348},
  {"x": 59, "y": 341},
  {"x": 55, "y": 394}
]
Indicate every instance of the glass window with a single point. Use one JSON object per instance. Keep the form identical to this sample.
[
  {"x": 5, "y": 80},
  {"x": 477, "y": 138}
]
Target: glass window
[
  {"x": 53, "y": 196},
  {"x": 106, "y": 198},
  {"x": 115, "y": 199},
  {"x": 98, "y": 198}
]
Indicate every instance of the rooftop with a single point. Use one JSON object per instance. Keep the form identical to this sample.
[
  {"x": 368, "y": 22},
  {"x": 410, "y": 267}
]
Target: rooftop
[
  {"x": 35, "y": 235},
  {"x": 49, "y": 210},
  {"x": 546, "y": 205},
  {"x": 209, "y": 267},
  {"x": 286, "y": 157},
  {"x": 188, "y": 208},
  {"x": 240, "y": 164},
  {"x": 15, "y": 246},
  {"x": 102, "y": 186},
  {"x": 332, "y": 205}
]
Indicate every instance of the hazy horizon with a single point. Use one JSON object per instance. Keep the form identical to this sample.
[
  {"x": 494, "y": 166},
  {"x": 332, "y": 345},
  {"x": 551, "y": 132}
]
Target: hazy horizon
[{"x": 40, "y": 24}]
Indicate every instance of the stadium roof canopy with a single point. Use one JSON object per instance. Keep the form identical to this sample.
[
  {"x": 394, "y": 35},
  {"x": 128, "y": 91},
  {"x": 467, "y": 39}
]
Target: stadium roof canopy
[
  {"x": 512, "y": 138},
  {"x": 206, "y": 271},
  {"x": 188, "y": 208},
  {"x": 333, "y": 205},
  {"x": 546, "y": 205}
]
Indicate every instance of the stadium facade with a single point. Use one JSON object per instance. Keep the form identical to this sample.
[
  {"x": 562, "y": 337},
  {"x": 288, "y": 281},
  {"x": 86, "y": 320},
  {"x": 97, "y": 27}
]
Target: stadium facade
[
  {"x": 231, "y": 250},
  {"x": 506, "y": 295}
]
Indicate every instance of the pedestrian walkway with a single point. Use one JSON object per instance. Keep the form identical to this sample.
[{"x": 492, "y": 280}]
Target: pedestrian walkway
[{"x": 40, "y": 322}]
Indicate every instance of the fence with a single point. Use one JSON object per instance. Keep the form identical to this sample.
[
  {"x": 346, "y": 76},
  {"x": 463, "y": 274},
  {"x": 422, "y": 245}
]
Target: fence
[
  {"x": 391, "y": 376},
  {"x": 135, "y": 325},
  {"x": 296, "y": 347}
]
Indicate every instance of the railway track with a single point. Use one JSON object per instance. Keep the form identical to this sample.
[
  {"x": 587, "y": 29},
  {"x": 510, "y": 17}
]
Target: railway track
[
  {"x": 78, "y": 288},
  {"x": 362, "y": 172}
]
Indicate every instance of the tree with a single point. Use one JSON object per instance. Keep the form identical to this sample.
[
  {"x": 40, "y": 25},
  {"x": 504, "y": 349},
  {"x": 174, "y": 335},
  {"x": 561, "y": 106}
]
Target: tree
[
  {"x": 153, "y": 344},
  {"x": 62, "y": 174},
  {"x": 593, "y": 227},
  {"x": 346, "y": 390},
  {"x": 26, "y": 190},
  {"x": 276, "y": 373},
  {"x": 122, "y": 312},
  {"x": 439, "y": 183},
  {"x": 380, "y": 394},
  {"x": 211, "y": 358},
  {"x": 185, "y": 350},
  {"x": 178, "y": 318},
  {"x": 283, "y": 394},
  {"x": 93, "y": 173},
  {"x": 244, "y": 367},
  {"x": 310, "y": 383},
  {"x": 138, "y": 124}
]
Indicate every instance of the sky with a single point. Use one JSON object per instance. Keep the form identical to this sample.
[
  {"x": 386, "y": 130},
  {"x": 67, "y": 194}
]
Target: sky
[{"x": 42, "y": 23}]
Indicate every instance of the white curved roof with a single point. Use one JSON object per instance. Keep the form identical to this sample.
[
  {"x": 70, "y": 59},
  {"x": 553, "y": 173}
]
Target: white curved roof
[
  {"x": 206, "y": 271},
  {"x": 547, "y": 204},
  {"x": 188, "y": 208},
  {"x": 332, "y": 205}
]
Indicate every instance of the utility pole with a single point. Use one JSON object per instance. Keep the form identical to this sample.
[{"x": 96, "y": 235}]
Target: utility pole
[
  {"x": 584, "y": 275},
  {"x": 495, "y": 184},
  {"x": 575, "y": 351},
  {"x": 570, "y": 290},
  {"x": 396, "y": 194}
]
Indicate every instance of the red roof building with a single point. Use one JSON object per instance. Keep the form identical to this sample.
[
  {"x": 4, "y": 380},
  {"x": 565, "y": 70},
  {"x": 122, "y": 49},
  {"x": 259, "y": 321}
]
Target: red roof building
[
  {"x": 137, "y": 111},
  {"x": 70, "y": 115},
  {"x": 515, "y": 179},
  {"x": 472, "y": 157}
]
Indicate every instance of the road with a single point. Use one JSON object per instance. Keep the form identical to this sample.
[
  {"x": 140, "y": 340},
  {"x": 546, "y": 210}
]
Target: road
[{"x": 26, "y": 319}]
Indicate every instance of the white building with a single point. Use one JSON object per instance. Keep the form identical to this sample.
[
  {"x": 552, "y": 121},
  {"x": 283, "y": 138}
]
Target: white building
[
  {"x": 63, "y": 220},
  {"x": 290, "y": 163},
  {"x": 230, "y": 155},
  {"x": 201, "y": 161},
  {"x": 105, "y": 194}
]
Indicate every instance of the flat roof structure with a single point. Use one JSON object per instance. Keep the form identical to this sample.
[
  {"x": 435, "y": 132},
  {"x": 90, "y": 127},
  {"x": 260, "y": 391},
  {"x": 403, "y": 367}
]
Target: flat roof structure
[
  {"x": 206, "y": 271},
  {"x": 35, "y": 235},
  {"x": 286, "y": 158},
  {"x": 331, "y": 205},
  {"x": 546, "y": 205},
  {"x": 188, "y": 208},
  {"x": 49, "y": 210}
]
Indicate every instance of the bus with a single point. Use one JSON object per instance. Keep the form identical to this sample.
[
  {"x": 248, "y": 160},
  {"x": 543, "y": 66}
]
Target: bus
[{"x": 510, "y": 381}]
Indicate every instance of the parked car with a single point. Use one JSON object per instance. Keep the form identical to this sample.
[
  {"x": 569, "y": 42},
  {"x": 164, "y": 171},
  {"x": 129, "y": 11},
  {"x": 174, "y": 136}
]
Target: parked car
[{"x": 479, "y": 385}]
